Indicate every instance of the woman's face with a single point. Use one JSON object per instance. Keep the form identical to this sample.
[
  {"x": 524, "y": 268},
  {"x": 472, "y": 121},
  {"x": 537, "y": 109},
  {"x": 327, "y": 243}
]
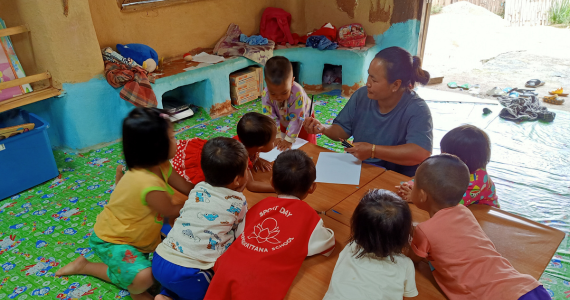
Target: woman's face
[{"x": 377, "y": 84}]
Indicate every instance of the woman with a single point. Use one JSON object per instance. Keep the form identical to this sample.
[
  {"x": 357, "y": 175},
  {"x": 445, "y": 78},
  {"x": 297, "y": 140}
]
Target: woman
[{"x": 390, "y": 123}]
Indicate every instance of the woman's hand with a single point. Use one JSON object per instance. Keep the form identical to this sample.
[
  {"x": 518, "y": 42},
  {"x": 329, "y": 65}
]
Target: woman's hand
[
  {"x": 313, "y": 126},
  {"x": 361, "y": 150}
]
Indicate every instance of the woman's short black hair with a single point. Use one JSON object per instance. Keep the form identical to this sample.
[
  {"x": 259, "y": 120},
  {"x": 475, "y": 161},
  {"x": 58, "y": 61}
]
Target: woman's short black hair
[
  {"x": 381, "y": 225},
  {"x": 278, "y": 69},
  {"x": 293, "y": 173},
  {"x": 146, "y": 141},
  {"x": 470, "y": 144},
  {"x": 255, "y": 129},
  {"x": 222, "y": 160},
  {"x": 400, "y": 64}
]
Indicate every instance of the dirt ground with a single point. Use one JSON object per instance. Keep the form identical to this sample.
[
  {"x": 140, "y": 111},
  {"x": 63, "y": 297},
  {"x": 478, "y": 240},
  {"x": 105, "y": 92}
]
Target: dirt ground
[{"x": 469, "y": 44}]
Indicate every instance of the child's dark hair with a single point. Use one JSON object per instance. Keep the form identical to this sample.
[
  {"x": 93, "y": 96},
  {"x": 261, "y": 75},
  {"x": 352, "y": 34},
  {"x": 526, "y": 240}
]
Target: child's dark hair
[
  {"x": 278, "y": 69},
  {"x": 222, "y": 160},
  {"x": 400, "y": 64},
  {"x": 470, "y": 144},
  {"x": 445, "y": 178},
  {"x": 145, "y": 137},
  {"x": 255, "y": 129},
  {"x": 381, "y": 225},
  {"x": 293, "y": 173}
]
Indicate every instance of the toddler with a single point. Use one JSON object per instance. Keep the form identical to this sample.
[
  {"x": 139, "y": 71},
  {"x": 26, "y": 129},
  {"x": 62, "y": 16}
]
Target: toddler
[
  {"x": 279, "y": 233},
  {"x": 254, "y": 130},
  {"x": 473, "y": 147},
  {"x": 372, "y": 265},
  {"x": 466, "y": 263},
  {"x": 286, "y": 102},
  {"x": 128, "y": 228},
  {"x": 206, "y": 227}
]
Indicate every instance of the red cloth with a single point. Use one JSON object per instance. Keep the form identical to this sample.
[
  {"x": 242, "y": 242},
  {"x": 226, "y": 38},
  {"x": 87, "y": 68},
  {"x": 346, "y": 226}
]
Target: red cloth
[
  {"x": 275, "y": 26},
  {"x": 329, "y": 33},
  {"x": 187, "y": 161},
  {"x": 137, "y": 88},
  {"x": 264, "y": 260}
]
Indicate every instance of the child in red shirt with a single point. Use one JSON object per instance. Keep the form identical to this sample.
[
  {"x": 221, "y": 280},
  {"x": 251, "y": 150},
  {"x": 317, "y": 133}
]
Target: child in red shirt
[
  {"x": 255, "y": 131},
  {"x": 279, "y": 233},
  {"x": 465, "y": 262}
]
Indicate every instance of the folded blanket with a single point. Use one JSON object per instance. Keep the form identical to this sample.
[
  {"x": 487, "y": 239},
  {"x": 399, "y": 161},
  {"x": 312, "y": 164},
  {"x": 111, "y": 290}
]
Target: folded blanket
[
  {"x": 321, "y": 42},
  {"x": 230, "y": 45},
  {"x": 524, "y": 109},
  {"x": 253, "y": 40},
  {"x": 137, "y": 88}
]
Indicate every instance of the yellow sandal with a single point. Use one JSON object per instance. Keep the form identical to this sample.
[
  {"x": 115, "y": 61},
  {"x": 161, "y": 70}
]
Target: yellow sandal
[
  {"x": 559, "y": 92},
  {"x": 553, "y": 100}
]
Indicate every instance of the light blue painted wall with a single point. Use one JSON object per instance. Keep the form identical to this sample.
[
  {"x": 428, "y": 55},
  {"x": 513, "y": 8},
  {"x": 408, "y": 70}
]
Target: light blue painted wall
[{"x": 91, "y": 112}]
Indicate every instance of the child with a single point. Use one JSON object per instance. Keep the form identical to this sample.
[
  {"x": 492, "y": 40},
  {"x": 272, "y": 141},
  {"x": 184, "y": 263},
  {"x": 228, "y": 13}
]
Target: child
[
  {"x": 206, "y": 227},
  {"x": 280, "y": 232},
  {"x": 473, "y": 147},
  {"x": 128, "y": 228},
  {"x": 254, "y": 130},
  {"x": 372, "y": 265},
  {"x": 286, "y": 102},
  {"x": 467, "y": 265}
]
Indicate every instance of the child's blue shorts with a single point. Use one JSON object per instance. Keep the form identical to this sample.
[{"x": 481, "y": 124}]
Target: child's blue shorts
[{"x": 180, "y": 283}]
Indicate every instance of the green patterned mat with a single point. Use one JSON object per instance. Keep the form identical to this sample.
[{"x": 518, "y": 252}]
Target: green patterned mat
[{"x": 49, "y": 225}]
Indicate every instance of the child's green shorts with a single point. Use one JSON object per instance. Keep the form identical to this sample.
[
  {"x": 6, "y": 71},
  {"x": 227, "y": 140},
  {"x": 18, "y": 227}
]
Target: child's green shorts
[{"x": 124, "y": 261}]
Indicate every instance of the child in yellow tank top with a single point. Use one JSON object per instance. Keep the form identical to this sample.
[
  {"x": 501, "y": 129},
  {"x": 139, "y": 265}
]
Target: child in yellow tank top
[{"x": 128, "y": 228}]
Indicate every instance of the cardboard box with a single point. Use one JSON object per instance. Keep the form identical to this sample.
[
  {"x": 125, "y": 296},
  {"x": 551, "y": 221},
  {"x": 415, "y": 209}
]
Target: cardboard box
[
  {"x": 246, "y": 85},
  {"x": 243, "y": 77},
  {"x": 260, "y": 78}
]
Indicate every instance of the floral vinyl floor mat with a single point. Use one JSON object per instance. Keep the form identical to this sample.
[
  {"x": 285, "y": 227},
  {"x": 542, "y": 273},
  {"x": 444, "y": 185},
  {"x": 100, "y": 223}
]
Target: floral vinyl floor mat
[{"x": 48, "y": 226}]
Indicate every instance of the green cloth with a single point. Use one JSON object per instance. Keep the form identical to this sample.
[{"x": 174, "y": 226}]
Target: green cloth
[{"x": 124, "y": 261}]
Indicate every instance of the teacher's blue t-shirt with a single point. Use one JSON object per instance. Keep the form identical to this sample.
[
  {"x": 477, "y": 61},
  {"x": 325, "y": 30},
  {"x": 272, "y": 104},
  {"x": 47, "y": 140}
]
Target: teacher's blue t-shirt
[{"x": 409, "y": 122}]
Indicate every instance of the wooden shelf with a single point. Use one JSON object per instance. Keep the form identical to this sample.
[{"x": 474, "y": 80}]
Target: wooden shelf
[{"x": 31, "y": 97}]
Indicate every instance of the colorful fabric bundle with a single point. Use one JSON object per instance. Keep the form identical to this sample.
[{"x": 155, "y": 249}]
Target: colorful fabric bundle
[
  {"x": 137, "y": 88},
  {"x": 321, "y": 42},
  {"x": 230, "y": 45}
]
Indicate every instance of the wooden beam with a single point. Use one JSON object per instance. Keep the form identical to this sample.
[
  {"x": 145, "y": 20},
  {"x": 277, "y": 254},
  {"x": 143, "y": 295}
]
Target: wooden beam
[
  {"x": 14, "y": 30},
  {"x": 150, "y": 4},
  {"x": 28, "y": 98},
  {"x": 24, "y": 80}
]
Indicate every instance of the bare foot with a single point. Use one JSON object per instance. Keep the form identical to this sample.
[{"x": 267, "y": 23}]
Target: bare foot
[
  {"x": 162, "y": 297},
  {"x": 118, "y": 174},
  {"x": 73, "y": 268}
]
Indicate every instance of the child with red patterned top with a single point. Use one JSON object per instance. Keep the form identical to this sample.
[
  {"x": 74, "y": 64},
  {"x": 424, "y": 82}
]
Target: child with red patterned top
[
  {"x": 254, "y": 130},
  {"x": 473, "y": 147},
  {"x": 279, "y": 233}
]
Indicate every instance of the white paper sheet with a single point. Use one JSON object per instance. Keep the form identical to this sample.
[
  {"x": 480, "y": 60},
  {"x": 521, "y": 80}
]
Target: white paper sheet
[
  {"x": 207, "y": 58},
  {"x": 339, "y": 168},
  {"x": 200, "y": 65},
  {"x": 272, "y": 155}
]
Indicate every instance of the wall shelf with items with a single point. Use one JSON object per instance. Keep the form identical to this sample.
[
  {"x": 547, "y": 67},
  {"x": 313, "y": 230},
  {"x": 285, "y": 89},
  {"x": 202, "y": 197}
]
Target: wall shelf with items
[{"x": 31, "y": 97}]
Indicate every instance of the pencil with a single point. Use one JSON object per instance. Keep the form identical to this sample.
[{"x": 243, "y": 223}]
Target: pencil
[{"x": 311, "y": 107}]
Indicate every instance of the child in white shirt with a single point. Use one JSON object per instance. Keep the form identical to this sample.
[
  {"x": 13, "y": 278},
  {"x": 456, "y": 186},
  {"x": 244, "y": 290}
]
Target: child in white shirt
[
  {"x": 209, "y": 222},
  {"x": 372, "y": 265}
]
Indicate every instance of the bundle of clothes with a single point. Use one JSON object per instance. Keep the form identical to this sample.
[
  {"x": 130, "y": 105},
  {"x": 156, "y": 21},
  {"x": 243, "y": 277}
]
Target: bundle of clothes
[
  {"x": 524, "y": 109},
  {"x": 125, "y": 72}
]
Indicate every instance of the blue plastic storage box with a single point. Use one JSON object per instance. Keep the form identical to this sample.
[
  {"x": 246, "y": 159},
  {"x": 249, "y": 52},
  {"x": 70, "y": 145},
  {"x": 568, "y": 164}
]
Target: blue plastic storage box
[{"x": 26, "y": 159}]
